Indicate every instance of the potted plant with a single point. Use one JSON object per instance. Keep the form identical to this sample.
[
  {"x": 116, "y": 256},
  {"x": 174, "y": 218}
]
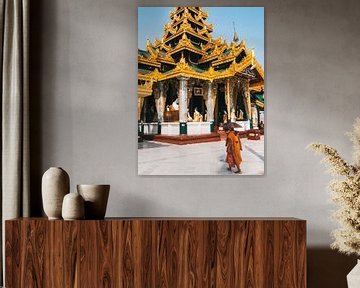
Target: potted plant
[{"x": 345, "y": 192}]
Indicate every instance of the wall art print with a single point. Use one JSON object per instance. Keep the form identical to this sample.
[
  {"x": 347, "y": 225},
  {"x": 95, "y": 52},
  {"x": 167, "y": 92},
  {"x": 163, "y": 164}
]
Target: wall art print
[{"x": 201, "y": 107}]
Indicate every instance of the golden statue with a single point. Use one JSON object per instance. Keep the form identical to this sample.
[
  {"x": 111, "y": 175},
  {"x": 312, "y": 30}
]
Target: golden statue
[
  {"x": 196, "y": 116},
  {"x": 225, "y": 117},
  {"x": 189, "y": 118}
]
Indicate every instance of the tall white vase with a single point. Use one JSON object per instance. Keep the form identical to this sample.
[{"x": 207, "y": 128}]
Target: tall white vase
[
  {"x": 353, "y": 278},
  {"x": 55, "y": 185}
]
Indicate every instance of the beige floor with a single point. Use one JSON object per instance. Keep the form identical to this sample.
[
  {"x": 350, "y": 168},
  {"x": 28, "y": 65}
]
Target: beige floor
[{"x": 197, "y": 159}]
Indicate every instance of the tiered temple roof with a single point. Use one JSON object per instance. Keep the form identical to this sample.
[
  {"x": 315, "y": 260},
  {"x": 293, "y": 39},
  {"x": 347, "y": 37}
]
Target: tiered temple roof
[{"x": 188, "y": 49}]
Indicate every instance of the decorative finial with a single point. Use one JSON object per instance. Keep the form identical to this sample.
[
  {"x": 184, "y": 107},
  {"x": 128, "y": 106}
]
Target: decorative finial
[{"x": 236, "y": 37}]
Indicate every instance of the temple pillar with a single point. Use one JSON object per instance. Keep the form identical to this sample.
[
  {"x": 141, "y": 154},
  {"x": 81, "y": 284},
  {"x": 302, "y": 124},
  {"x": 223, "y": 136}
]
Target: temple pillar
[
  {"x": 140, "y": 105},
  {"x": 160, "y": 103},
  {"x": 236, "y": 93},
  {"x": 162, "y": 99},
  {"x": 183, "y": 104},
  {"x": 205, "y": 97},
  {"x": 246, "y": 91},
  {"x": 214, "y": 96},
  {"x": 209, "y": 106},
  {"x": 190, "y": 87},
  {"x": 228, "y": 97},
  {"x": 156, "y": 98}
]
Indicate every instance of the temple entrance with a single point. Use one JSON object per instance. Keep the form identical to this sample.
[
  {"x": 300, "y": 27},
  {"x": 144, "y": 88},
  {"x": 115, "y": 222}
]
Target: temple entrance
[
  {"x": 148, "y": 112},
  {"x": 198, "y": 103},
  {"x": 171, "y": 95},
  {"x": 240, "y": 108},
  {"x": 220, "y": 107},
  {"x": 171, "y": 113}
]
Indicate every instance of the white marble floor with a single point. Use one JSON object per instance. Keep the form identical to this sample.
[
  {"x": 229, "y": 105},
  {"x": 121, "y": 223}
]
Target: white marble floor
[{"x": 156, "y": 158}]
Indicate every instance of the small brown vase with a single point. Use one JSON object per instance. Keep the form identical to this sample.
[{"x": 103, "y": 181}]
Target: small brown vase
[{"x": 96, "y": 198}]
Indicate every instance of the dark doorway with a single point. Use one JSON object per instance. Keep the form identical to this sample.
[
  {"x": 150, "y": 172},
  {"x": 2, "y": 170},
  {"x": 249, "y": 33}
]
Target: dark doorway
[
  {"x": 197, "y": 102},
  {"x": 171, "y": 95},
  {"x": 148, "y": 112},
  {"x": 240, "y": 106},
  {"x": 220, "y": 107}
]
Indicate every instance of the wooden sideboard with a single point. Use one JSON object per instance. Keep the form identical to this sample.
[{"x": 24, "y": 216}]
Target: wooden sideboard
[{"x": 156, "y": 252}]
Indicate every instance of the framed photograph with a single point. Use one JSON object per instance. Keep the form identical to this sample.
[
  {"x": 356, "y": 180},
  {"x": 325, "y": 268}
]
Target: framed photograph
[
  {"x": 201, "y": 83},
  {"x": 198, "y": 91}
]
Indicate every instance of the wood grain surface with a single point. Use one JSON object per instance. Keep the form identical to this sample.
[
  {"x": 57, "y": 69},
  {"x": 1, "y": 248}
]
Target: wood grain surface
[{"x": 157, "y": 253}]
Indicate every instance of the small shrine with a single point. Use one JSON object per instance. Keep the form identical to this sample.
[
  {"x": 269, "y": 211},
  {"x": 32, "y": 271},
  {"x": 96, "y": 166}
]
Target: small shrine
[{"x": 190, "y": 83}]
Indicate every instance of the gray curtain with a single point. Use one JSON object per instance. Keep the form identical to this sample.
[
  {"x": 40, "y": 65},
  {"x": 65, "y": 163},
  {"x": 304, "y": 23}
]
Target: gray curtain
[{"x": 14, "y": 25}]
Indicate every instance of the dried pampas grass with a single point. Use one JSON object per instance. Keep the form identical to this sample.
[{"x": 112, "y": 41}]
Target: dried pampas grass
[{"x": 345, "y": 192}]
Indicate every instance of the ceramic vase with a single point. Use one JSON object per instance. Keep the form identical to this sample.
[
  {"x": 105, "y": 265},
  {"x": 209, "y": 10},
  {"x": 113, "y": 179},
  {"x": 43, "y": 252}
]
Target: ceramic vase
[
  {"x": 96, "y": 198},
  {"x": 73, "y": 207},
  {"x": 353, "y": 278},
  {"x": 55, "y": 185}
]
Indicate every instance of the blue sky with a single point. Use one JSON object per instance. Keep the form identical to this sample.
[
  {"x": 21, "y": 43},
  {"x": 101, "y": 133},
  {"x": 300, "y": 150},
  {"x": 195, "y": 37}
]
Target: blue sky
[{"x": 249, "y": 25}]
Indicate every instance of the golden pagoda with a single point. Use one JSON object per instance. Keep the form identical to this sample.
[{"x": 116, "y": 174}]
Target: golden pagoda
[{"x": 191, "y": 83}]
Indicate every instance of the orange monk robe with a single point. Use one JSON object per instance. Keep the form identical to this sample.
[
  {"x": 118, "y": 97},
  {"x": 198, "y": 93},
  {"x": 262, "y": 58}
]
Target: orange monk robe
[{"x": 235, "y": 147}]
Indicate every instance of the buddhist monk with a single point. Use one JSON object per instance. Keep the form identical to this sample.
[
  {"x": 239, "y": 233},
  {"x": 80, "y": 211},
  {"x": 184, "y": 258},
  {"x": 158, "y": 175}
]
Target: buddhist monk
[{"x": 234, "y": 149}]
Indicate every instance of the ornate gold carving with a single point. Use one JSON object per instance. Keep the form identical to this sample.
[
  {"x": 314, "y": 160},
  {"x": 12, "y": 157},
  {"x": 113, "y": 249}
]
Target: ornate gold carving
[
  {"x": 257, "y": 87},
  {"x": 259, "y": 69},
  {"x": 185, "y": 43},
  {"x": 156, "y": 92},
  {"x": 180, "y": 25},
  {"x": 169, "y": 29},
  {"x": 146, "y": 89},
  {"x": 190, "y": 88},
  {"x": 151, "y": 62},
  {"x": 210, "y": 27},
  {"x": 157, "y": 42}
]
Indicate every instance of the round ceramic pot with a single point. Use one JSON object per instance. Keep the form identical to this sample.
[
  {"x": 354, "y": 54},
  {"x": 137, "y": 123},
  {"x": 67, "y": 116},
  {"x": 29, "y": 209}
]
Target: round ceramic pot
[
  {"x": 55, "y": 185},
  {"x": 96, "y": 198},
  {"x": 73, "y": 207}
]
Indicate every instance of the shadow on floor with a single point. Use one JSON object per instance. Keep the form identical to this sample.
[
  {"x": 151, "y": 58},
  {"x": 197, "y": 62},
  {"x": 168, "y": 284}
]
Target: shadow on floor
[
  {"x": 146, "y": 145},
  {"x": 328, "y": 268}
]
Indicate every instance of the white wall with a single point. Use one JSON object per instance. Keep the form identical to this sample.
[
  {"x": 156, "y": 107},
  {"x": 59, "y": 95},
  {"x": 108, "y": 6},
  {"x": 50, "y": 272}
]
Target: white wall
[{"x": 84, "y": 92}]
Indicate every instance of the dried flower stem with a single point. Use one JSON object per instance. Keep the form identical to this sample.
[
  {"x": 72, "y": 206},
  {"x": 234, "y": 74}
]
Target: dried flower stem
[{"x": 345, "y": 191}]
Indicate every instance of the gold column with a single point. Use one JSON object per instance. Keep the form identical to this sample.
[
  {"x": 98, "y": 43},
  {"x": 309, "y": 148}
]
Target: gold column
[
  {"x": 156, "y": 97},
  {"x": 210, "y": 102},
  {"x": 227, "y": 96},
  {"x": 140, "y": 105},
  {"x": 159, "y": 94},
  {"x": 247, "y": 97},
  {"x": 229, "y": 90},
  {"x": 246, "y": 92},
  {"x": 236, "y": 92},
  {"x": 205, "y": 94},
  {"x": 214, "y": 88}
]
